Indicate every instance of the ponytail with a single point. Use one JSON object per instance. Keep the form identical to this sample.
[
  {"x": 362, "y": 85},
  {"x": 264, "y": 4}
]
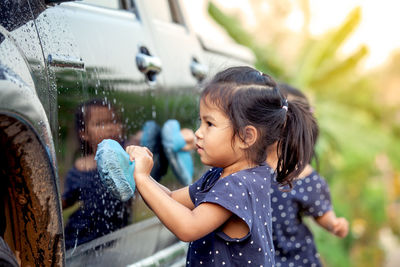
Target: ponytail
[
  {"x": 249, "y": 97},
  {"x": 295, "y": 147}
]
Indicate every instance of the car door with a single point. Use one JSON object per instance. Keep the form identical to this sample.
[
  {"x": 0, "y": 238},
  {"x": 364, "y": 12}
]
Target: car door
[
  {"x": 183, "y": 67},
  {"x": 29, "y": 198},
  {"x": 177, "y": 45},
  {"x": 105, "y": 69}
]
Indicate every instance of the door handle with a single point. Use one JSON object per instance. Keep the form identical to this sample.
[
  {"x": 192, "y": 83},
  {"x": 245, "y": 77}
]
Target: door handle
[
  {"x": 147, "y": 63},
  {"x": 65, "y": 62},
  {"x": 198, "y": 70}
]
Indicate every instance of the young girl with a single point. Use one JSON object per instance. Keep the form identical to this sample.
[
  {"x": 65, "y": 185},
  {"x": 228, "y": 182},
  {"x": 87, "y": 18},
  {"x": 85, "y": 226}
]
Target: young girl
[
  {"x": 225, "y": 215},
  {"x": 293, "y": 241},
  {"x": 99, "y": 213}
]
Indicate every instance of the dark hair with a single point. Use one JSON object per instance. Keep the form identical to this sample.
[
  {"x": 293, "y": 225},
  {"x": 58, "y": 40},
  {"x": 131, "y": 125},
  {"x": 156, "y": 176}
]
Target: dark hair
[
  {"x": 82, "y": 114},
  {"x": 290, "y": 91},
  {"x": 249, "y": 97}
]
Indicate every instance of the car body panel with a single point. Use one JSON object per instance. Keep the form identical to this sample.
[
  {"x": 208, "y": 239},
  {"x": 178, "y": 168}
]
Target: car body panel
[{"x": 144, "y": 60}]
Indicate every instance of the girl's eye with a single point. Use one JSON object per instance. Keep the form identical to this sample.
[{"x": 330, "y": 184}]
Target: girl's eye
[{"x": 209, "y": 123}]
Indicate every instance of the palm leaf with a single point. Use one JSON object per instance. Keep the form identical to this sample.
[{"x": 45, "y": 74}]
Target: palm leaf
[{"x": 325, "y": 49}]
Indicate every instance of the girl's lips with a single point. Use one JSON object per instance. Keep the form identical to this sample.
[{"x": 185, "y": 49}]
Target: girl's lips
[{"x": 199, "y": 148}]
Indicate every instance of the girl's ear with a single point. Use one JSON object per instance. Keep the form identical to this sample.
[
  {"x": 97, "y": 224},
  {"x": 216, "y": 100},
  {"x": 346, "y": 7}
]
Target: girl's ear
[{"x": 250, "y": 136}]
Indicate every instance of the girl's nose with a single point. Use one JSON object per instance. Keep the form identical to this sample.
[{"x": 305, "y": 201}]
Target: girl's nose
[
  {"x": 198, "y": 134},
  {"x": 112, "y": 129}
]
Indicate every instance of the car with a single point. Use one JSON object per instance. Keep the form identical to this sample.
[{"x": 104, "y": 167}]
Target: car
[{"x": 143, "y": 58}]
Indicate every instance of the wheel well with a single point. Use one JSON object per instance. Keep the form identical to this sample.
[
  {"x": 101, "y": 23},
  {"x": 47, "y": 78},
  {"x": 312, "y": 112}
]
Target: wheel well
[{"x": 31, "y": 222}]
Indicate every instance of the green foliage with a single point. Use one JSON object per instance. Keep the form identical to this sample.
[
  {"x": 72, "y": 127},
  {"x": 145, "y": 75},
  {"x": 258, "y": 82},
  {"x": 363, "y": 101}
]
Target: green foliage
[
  {"x": 336, "y": 71},
  {"x": 355, "y": 130},
  {"x": 323, "y": 52},
  {"x": 265, "y": 55},
  {"x": 336, "y": 254}
]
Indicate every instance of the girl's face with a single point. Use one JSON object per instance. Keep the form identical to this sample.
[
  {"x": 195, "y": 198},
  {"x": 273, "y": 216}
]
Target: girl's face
[
  {"x": 214, "y": 138},
  {"x": 101, "y": 124}
]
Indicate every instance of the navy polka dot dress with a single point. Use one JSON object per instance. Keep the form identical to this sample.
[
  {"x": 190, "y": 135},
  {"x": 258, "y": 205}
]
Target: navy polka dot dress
[
  {"x": 100, "y": 213},
  {"x": 293, "y": 241},
  {"x": 245, "y": 194}
]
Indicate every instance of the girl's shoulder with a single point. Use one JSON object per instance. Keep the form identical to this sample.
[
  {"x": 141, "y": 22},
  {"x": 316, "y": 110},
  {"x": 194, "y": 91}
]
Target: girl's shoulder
[
  {"x": 312, "y": 178},
  {"x": 213, "y": 173},
  {"x": 209, "y": 177},
  {"x": 212, "y": 177},
  {"x": 76, "y": 174},
  {"x": 264, "y": 171},
  {"x": 260, "y": 176},
  {"x": 85, "y": 163}
]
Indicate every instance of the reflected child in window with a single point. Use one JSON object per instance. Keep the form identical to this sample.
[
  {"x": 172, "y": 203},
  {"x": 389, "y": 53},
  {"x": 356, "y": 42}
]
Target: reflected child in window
[{"x": 99, "y": 213}]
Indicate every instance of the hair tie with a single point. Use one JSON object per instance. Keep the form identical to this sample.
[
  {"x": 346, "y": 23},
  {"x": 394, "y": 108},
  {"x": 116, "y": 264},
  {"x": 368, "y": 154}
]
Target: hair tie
[{"x": 285, "y": 105}]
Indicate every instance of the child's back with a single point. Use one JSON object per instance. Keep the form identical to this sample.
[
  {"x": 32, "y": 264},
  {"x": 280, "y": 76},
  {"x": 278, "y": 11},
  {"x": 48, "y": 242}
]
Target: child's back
[
  {"x": 293, "y": 241},
  {"x": 310, "y": 196}
]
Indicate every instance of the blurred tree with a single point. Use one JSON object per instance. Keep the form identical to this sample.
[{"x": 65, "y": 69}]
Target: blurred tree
[{"x": 355, "y": 123}]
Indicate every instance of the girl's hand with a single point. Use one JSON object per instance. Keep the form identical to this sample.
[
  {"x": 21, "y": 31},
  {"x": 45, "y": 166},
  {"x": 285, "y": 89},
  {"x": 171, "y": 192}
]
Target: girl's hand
[
  {"x": 143, "y": 161},
  {"x": 340, "y": 227},
  {"x": 190, "y": 139}
]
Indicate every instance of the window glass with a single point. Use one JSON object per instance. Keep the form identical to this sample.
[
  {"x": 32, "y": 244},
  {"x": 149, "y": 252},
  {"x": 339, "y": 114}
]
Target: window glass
[
  {"x": 176, "y": 12},
  {"x": 160, "y": 10},
  {"x": 165, "y": 11}
]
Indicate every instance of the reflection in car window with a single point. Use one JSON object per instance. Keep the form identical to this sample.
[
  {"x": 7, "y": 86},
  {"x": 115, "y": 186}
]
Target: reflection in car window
[
  {"x": 160, "y": 10},
  {"x": 176, "y": 13},
  {"x": 97, "y": 211},
  {"x": 166, "y": 11}
]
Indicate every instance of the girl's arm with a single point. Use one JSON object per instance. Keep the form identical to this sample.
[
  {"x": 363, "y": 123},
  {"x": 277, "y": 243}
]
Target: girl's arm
[
  {"x": 337, "y": 226},
  {"x": 181, "y": 195},
  {"x": 186, "y": 224}
]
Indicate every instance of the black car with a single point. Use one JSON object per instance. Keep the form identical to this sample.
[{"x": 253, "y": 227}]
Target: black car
[{"x": 141, "y": 60}]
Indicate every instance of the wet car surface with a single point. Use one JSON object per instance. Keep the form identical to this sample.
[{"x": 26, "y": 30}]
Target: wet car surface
[{"x": 142, "y": 61}]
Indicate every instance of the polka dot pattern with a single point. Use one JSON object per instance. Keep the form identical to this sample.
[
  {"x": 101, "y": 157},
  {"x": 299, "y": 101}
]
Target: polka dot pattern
[
  {"x": 246, "y": 195},
  {"x": 293, "y": 241}
]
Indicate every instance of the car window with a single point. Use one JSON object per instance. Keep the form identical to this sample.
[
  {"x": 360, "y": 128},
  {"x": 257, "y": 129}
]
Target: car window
[
  {"x": 160, "y": 10},
  {"x": 176, "y": 13},
  {"x": 103, "y": 93},
  {"x": 166, "y": 11}
]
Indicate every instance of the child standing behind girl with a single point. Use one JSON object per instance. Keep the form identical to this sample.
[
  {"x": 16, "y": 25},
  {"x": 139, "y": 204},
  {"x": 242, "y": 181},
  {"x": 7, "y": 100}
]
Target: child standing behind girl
[
  {"x": 293, "y": 241},
  {"x": 225, "y": 215}
]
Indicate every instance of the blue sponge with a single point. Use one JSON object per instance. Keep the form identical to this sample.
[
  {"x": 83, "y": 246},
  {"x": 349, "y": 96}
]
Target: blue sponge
[
  {"x": 179, "y": 160},
  {"x": 115, "y": 169},
  {"x": 151, "y": 138},
  {"x": 151, "y": 135}
]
